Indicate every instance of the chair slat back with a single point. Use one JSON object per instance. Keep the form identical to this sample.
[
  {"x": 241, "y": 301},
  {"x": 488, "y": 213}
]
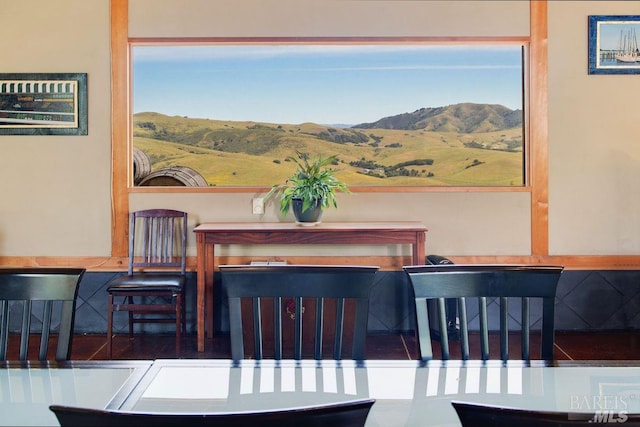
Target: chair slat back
[
  {"x": 344, "y": 414},
  {"x": 484, "y": 283},
  {"x": 157, "y": 239},
  {"x": 292, "y": 283},
  {"x": 31, "y": 288}
]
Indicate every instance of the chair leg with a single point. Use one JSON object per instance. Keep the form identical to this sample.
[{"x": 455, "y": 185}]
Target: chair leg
[
  {"x": 184, "y": 314},
  {"x": 109, "y": 327},
  {"x": 130, "y": 301},
  {"x": 179, "y": 323}
]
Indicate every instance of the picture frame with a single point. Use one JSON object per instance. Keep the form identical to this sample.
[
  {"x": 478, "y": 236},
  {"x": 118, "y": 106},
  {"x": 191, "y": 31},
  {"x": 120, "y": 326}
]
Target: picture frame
[
  {"x": 613, "y": 44},
  {"x": 43, "y": 104}
]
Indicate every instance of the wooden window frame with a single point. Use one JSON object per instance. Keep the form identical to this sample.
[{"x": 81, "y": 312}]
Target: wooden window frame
[
  {"x": 536, "y": 147},
  {"x": 347, "y": 41}
]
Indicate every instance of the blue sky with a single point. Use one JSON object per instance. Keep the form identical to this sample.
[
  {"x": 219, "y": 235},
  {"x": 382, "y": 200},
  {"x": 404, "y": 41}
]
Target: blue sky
[
  {"x": 327, "y": 84},
  {"x": 610, "y": 33}
]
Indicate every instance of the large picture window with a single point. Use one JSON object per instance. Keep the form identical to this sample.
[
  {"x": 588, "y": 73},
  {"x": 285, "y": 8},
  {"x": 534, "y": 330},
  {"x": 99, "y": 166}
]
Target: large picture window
[{"x": 394, "y": 114}]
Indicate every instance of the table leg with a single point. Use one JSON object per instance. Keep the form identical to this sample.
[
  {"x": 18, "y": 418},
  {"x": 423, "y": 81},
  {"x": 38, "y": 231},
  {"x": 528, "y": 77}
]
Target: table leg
[
  {"x": 209, "y": 283},
  {"x": 200, "y": 295},
  {"x": 419, "y": 250}
]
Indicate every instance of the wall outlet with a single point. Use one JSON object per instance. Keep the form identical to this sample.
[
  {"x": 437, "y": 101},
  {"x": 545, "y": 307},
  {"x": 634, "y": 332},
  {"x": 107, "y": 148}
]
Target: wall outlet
[{"x": 257, "y": 206}]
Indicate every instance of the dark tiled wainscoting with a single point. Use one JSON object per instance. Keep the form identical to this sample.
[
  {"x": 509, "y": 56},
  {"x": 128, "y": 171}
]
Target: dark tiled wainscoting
[{"x": 586, "y": 301}]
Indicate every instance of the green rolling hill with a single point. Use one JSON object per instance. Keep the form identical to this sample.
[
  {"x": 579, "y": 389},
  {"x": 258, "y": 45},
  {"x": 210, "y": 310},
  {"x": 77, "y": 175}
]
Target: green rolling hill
[{"x": 458, "y": 145}]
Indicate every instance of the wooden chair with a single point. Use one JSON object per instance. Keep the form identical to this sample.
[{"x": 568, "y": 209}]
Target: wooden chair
[
  {"x": 438, "y": 282},
  {"x": 344, "y": 414},
  {"x": 481, "y": 415},
  {"x": 55, "y": 291},
  {"x": 450, "y": 303},
  {"x": 287, "y": 285},
  {"x": 156, "y": 272}
]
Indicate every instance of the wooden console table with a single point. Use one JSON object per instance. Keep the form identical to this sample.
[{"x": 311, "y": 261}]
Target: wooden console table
[{"x": 249, "y": 233}]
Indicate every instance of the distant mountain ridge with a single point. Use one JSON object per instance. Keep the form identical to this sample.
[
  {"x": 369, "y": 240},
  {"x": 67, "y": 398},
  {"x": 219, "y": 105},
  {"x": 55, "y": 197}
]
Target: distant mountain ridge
[
  {"x": 461, "y": 118},
  {"x": 260, "y": 138}
]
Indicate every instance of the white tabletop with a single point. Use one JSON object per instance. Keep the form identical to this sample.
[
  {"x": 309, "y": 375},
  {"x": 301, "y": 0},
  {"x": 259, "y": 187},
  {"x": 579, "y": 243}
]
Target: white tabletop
[
  {"x": 26, "y": 393},
  {"x": 406, "y": 393}
]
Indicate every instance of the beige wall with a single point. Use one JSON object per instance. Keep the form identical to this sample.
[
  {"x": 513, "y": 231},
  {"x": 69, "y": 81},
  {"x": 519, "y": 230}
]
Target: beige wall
[
  {"x": 56, "y": 191},
  {"x": 594, "y": 141},
  {"x": 275, "y": 18}
]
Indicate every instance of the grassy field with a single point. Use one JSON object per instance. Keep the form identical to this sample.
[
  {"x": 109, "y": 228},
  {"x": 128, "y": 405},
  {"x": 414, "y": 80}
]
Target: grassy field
[{"x": 254, "y": 154}]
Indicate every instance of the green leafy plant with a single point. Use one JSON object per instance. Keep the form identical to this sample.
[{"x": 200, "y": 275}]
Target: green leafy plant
[{"x": 312, "y": 181}]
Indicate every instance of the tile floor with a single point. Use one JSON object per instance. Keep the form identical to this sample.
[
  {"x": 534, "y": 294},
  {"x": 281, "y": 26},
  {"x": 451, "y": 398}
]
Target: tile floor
[{"x": 569, "y": 346}]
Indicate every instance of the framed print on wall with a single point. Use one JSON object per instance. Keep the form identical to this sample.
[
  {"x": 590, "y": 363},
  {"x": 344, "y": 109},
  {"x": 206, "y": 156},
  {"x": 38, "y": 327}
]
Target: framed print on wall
[
  {"x": 43, "y": 104},
  {"x": 613, "y": 44}
]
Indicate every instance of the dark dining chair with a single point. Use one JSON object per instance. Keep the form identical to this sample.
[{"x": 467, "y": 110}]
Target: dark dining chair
[
  {"x": 481, "y": 415},
  {"x": 484, "y": 283},
  {"x": 152, "y": 291},
  {"x": 296, "y": 291},
  {"x": 343, "y": 414},
  {"x": 39, "y": 295},
  {"x": 450, "y": 303}
]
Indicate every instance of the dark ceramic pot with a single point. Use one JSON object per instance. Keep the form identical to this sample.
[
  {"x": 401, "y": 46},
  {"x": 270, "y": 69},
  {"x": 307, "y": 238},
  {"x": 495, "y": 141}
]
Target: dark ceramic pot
[{"x": 311, "y": 215}]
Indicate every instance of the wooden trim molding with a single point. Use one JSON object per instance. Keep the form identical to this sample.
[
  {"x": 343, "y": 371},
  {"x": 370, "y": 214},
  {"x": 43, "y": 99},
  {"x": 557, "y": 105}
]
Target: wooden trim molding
[
  {"x": 395, "y": 263},
  {"x": 119, "y": 127},
  {"x": 539, "y": 129}
]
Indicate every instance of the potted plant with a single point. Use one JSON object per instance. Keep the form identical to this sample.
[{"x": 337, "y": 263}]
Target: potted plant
[{"x": 311, "y": 188}]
